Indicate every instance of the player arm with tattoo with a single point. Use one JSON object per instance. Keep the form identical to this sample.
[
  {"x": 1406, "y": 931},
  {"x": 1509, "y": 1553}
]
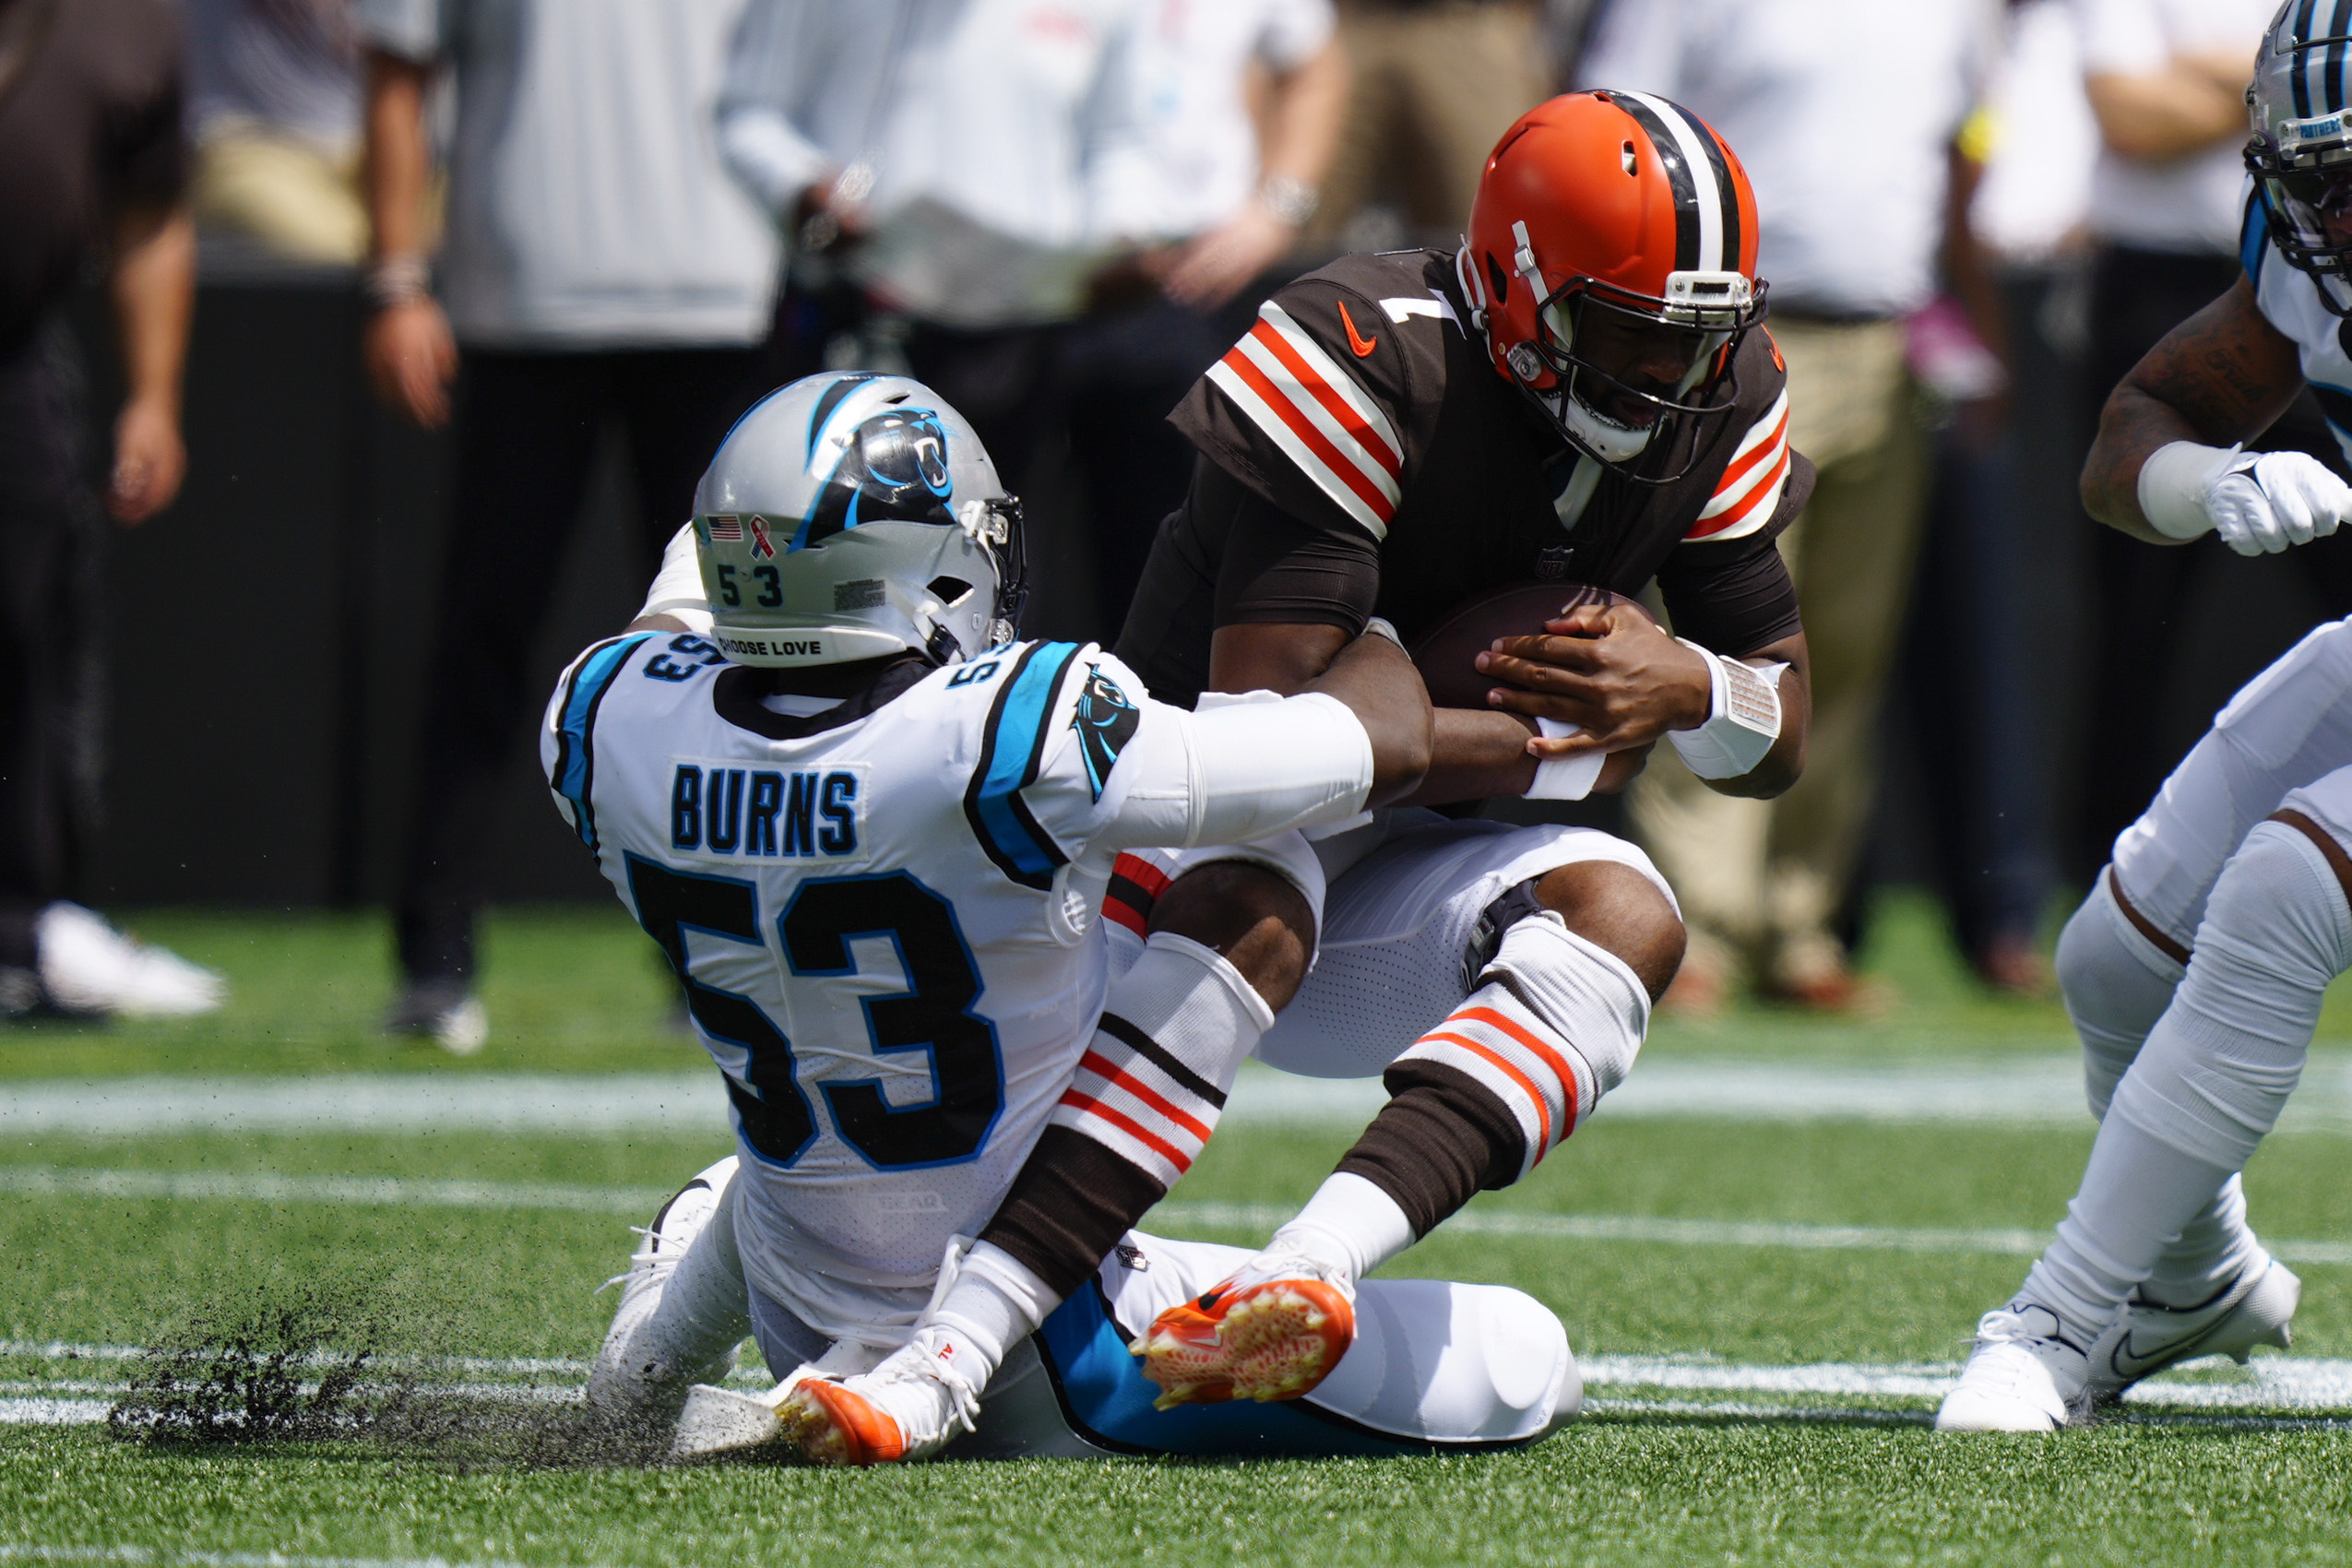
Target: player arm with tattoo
[{"x": 2168, "y": 466}]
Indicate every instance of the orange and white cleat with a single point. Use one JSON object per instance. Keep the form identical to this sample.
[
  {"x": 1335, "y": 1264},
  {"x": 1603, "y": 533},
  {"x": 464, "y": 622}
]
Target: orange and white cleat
[
  {"x": 918, "y": 1400},
  {"x": 831, "y": 1423},
  {"x": 1275, "y": 1336}
]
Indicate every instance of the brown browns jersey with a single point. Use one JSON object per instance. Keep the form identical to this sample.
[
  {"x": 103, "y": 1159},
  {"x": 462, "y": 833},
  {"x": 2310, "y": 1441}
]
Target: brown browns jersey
[{"x": 1361, "y": 457}]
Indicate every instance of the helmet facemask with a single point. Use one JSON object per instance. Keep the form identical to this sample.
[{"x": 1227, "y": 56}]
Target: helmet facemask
[
  {"x": 2309, "y": 211},
  {"x": 1620, "y": 374}
]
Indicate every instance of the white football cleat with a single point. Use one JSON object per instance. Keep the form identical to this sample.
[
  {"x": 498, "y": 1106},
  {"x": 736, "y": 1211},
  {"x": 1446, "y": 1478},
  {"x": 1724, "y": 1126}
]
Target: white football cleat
[
  {"x": 911, "y": 1406},
  {"x": 88, "y": 967},
  {"x": 2022, "y": 1376},
  {"x": 2253, "y": 1309},
  {"x": 637, "y": 1376},
  {"x": 443, "y": 1011},
  {"x": 719, "y": 1420}
]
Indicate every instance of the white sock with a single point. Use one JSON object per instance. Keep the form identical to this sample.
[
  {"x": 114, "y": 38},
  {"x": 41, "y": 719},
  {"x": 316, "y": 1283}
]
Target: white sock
[
  {"x": 992, "y": 1304},
  {"x": 1349, "y": 1225},
  {"x": 2138, "y": 1194}
]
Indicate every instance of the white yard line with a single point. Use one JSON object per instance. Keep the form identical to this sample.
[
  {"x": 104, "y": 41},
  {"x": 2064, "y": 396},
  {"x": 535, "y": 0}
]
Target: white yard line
[
  {"x": 1641, "y": 1384},
  {"x": 52, "y": 1180},
  {"x": 2027, "y": 1090}
]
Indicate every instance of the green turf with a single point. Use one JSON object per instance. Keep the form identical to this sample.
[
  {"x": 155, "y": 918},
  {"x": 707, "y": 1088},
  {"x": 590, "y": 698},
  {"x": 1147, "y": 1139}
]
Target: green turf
[{"x": 572, "y": 989}]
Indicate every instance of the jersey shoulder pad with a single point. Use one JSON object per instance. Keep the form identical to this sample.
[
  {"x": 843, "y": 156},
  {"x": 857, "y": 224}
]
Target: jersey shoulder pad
[
  {"x": 1750, "y": 496},
  {"x": 1032, "y": 682},
  {"x": 568, "y": 744},
  {"x": 1323, "y": 405}
]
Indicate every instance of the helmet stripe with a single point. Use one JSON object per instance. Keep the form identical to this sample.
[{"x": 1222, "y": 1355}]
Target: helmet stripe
[
  {"x": 840, "y": 388},
  {"x": 2336, "y": 57},
  {"x": 1727, "y": 193},
  {"x": 1689, "y": 216},
  {"x": 2300, "y": 70}
]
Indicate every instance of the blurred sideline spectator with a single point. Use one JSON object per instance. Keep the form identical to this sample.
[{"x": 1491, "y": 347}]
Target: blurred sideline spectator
[
  {"x": 939, "y": 171},
  {"x": 2166, "y": 79},
  {"x": 599, "y": 267},
  {"x": 92, "y": 165},
  {"x": 1988, "y": 623},
  {"x": 1434, "y": 84},
  {"x": 274, "y": 90},
  {"x": 1222, "y": 189},
  {"x": 1844, "y": 112}
]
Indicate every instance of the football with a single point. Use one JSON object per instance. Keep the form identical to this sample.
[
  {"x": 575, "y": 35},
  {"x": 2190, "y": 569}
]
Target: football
[{"x": 1444, "y": 652}]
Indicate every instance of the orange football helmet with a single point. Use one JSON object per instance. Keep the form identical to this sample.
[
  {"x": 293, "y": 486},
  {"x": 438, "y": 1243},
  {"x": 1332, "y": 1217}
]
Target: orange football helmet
[{"x": 1611, "y": 263}]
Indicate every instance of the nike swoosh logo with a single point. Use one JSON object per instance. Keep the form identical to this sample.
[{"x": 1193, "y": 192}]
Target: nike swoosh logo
[{"x": 1355, "y": 340}]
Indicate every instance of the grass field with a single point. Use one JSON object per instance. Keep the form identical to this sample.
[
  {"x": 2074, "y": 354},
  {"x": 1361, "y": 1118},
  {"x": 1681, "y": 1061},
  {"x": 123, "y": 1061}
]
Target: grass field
[{"x": 1765, "y": 1307}]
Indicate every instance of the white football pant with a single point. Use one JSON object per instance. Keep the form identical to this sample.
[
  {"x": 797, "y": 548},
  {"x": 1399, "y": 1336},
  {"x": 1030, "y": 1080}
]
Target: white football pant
[
  {"x": 1434, "y": 1364},
  {"x": 2197, "y": 1063}
]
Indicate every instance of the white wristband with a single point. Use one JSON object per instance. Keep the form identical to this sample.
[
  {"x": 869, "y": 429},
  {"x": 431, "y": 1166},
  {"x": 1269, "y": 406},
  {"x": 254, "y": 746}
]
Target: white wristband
[
  {"x": 677, "y": 589},
  {"x": 2176, "y": 480},
  {"x": 1564, "y": 777},
  {"x": 1743, "y": 718}
]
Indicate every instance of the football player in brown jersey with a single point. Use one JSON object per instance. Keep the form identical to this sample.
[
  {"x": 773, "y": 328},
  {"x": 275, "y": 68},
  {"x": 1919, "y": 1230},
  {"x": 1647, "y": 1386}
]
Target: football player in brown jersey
[{"x": 1582, "y": 392}]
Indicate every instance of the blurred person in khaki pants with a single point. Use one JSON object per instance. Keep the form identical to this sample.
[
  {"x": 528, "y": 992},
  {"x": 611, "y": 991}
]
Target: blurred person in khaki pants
[
  {"x": 274, "y": 96},
  {"x": 1433, "y": 84},
  {"x": 1844, "y": 112},
  {"x": 93, "y": 169},
  {"x": 598, "y": 267}
]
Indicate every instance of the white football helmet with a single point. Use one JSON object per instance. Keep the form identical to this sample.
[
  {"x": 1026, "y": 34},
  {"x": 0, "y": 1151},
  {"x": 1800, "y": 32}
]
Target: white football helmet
[
  {"x": 849, "y": 515},
  {"x": 2300, "y": 154}
]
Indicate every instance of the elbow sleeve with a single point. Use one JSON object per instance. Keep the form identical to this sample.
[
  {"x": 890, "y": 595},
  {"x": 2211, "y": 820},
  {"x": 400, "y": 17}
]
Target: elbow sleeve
[{"x": 1263, "y": 765}]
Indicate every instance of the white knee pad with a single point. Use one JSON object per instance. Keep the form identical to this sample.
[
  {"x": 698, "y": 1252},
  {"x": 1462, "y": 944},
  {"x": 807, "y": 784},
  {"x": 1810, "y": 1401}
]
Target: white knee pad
[
  {"x": 1581, "y": 989},
  {"x": 1554, "y": 1025},
  {"x": 2218, "y": 1066},
  {"x": 2117, "y": 985}
]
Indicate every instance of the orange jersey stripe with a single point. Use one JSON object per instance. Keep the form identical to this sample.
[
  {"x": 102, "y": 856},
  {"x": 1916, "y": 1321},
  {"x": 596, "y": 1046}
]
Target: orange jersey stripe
[
  {"x": 1339, "y": 462},
  {"x": 1333, "y": 403}
]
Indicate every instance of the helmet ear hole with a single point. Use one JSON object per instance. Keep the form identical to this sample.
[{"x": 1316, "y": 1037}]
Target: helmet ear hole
[
  {"x": 1497, "y": 278},
  {"x": 1626, "y": 159},
  {"x": 949, "y": 592}
]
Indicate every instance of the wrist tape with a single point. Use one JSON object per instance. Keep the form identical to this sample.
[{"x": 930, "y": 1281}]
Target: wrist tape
[
  {"x": 1564, "y": 777},
  {"x": 2175, "y": 481},
  {"x": 1743, "y": 718}
]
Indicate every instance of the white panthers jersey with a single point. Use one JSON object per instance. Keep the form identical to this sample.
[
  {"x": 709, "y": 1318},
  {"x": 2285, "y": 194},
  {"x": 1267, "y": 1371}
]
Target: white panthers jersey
[
  {"x": 884, "y": 922},
  {"x": 2289, "y": 301}
]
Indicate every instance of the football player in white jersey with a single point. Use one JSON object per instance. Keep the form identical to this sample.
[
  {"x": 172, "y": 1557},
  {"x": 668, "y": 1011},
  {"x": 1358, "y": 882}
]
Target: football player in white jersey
[
  {"x": 2193, "y": 972},
  {"x": 872, "y": 832}
]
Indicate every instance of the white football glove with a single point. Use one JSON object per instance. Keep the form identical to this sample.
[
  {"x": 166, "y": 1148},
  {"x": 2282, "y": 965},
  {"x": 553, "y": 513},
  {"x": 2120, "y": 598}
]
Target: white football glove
[
  {"x": 2259, "y": 503},
  {"x": 2284, "y": 498}
]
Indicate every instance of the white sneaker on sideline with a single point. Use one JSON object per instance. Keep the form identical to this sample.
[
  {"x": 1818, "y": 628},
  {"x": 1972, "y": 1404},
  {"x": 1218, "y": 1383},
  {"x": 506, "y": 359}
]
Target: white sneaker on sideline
[
  {"x": 2253, "y": 1309},
  {"x": 88, "y": 967},
  {"x": 2022, "y": 1376},
  {"x": 443, "y": 1011}
]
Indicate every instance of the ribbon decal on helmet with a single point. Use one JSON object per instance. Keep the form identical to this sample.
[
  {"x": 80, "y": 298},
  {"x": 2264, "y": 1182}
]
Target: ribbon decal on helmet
[{"x": 761, "y": 545}]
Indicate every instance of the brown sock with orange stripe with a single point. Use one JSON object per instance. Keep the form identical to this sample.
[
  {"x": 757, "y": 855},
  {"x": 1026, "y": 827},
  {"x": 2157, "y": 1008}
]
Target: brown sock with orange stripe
[
  {"x": 1553, "y": 1024},
  {"x": 1146, "y": 1095}
]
